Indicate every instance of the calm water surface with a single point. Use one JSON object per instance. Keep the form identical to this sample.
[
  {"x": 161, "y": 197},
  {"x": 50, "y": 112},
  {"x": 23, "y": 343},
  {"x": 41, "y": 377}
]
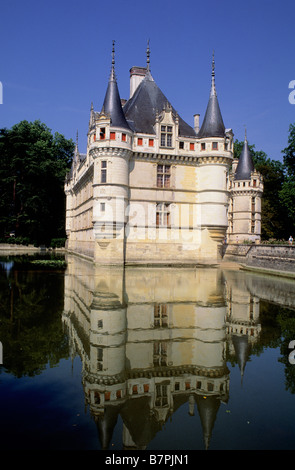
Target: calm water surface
[{"x": 143, "y": 358}]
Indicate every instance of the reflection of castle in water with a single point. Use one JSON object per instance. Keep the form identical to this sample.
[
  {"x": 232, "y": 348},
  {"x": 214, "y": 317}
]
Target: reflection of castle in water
[{"x": 152, "y": 340}]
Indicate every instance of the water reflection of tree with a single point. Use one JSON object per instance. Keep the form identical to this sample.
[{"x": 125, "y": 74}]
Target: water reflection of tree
[
  {"x": 31, "y": 304},
  {"x": 286, "y": 320},
  {"x": 277, "y": 330}
]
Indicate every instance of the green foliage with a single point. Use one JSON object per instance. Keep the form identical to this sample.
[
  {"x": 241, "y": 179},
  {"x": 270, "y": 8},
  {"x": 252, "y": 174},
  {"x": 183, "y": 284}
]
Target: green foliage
[
  {"x": 58, "y": 242},
  {"x": 33, "y": 167},
  {"x": 287, "y": 192},
  {"x": 50, "y": 263}
]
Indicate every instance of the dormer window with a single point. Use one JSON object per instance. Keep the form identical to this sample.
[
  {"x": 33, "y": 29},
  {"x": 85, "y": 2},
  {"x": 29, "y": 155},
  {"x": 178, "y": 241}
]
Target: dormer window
[
  {"x": 124, "y": 137},
  {"x": 203, "y": 146},
  {"x": 166, "y": 136},
  {"x": 214, "y": 145}
]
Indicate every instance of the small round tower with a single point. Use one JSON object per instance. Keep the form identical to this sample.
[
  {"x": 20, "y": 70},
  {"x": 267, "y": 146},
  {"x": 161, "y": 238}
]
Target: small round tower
[{"x": 246, "y": 188}]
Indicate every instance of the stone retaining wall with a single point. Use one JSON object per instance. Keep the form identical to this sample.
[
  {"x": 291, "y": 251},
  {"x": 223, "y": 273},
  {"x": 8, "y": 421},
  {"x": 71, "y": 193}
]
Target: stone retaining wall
[{"x": 280, "y": 258}]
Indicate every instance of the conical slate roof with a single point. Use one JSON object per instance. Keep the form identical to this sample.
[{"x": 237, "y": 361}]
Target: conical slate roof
[
  {"x": 112, "y": 103},
  {"x": 212, "y": 125},
  {"x": 142, "y": 108},
  {"x": 245, "y": 165}
]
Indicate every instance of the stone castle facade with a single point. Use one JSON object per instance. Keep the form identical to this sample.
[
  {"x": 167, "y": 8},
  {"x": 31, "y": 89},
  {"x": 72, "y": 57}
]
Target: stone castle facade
[{"x": 151, "y": 188}]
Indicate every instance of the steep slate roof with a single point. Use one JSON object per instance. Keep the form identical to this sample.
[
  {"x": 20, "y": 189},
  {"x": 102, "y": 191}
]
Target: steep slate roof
[
  {"x": 112, "y": 102},
  {"x": 148, "y": 100},
  {"x": 212, "y": 125},
  {"x": 245, "y": 165}
]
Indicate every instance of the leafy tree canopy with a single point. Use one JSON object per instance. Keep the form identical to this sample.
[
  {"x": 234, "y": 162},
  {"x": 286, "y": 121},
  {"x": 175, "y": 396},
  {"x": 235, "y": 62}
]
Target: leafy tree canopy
[{"x": 34, "y": 163}]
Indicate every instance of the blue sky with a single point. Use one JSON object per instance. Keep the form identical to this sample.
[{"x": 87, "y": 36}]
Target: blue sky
[{"x": 56, "y": 58}]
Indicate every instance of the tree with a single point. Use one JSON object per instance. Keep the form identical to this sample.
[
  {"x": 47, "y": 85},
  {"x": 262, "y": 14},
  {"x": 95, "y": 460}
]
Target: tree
[
  {"x": 287, "y": 193},
  {"x": 33, "y": 167}
]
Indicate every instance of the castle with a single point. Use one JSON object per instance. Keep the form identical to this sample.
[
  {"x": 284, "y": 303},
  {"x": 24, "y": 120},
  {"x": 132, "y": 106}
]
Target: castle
[{"x": 151, "y": 188}]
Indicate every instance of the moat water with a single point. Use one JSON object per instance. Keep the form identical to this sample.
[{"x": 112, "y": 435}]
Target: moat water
[{"x": 145, "y": 358}]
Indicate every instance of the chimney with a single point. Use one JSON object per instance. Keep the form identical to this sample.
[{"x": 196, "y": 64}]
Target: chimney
[
  {"x": 197, "y": 122},
  {"x": 137, "y": 74}
]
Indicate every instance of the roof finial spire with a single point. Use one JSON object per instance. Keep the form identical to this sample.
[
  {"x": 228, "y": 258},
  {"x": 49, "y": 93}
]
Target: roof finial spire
[
  {"x": 245, "y": 132},
  {"x": 148, "y": 56},
  {"x": 213, "y": 89},
  {"x": 113, "y": 76}
]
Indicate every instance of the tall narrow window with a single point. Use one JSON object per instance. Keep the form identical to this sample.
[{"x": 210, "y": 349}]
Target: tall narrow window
[
  {"x": 102, "y": 133},
  {"x": 166, "y": 136},
  {"x": 160, "y": 353},
  {"x": 214, "y": 145},
  {"x": 163, "y": 176},
  {"x": 103, "y": 172},
  {"x": 160, "y": 315},
  {"x": 163, "y": 215}
]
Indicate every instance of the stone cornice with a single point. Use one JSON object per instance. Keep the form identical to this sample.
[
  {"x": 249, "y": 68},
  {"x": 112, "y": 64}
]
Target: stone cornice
[{"x": 109, "y": 152}]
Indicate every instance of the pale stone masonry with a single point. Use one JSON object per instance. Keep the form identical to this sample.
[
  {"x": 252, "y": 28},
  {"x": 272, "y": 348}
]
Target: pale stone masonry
[{"x": 152, "y": 189}]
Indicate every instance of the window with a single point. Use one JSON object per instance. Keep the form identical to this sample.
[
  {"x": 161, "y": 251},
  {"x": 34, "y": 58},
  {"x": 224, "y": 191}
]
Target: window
[
  {"x": 192, "y": 146},
  {"x": 163, "y": 176},
  {"x": 163, "y": 215},
  {"x": 124, "y": 137},
  {"x": 139, "y": 141},
  {"x": 103, "y": 172},
  {"x": 166, "y": 136},
  {"x": 151, "y": 142},
  {"x": 160, "y": 353},
  {"x": 203, "y": 146},
  {"x": 161, "y": 395},
  {"x": 102, "y": 206},
  {"x": 112, "y": 135},
  {"x": 102, "y": 133},
  {"x": 253, "y": 204},
  {"x": 160, "y": 315},
  {"x": 181, "y": 145},
  {"x": 214, "y": 145}
]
